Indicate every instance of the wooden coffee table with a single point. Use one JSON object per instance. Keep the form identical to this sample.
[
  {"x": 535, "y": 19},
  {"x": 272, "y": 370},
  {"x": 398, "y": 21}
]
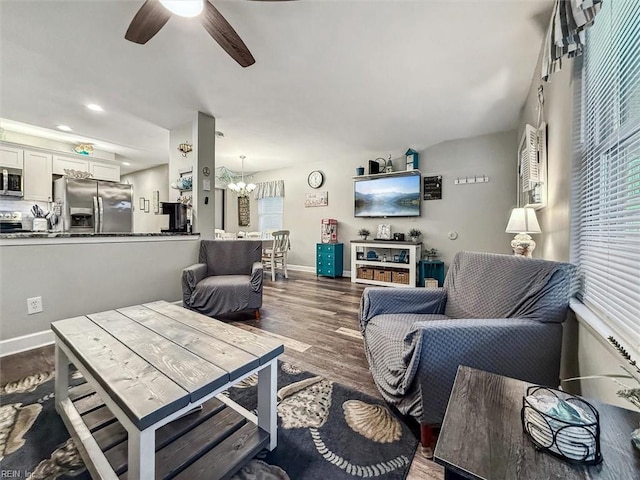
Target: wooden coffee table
[
  {"x": 151, "y": 365},
  {"x": 482, "y": 436}
]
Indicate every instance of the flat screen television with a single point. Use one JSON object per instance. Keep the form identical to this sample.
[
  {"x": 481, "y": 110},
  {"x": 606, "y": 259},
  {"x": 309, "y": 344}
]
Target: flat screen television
[{"x": 388, "y": 197}]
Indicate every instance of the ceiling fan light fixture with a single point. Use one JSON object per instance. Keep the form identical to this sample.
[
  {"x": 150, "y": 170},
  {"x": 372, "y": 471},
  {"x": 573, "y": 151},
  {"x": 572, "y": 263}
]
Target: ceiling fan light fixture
[{"x": 184, "y": 8}]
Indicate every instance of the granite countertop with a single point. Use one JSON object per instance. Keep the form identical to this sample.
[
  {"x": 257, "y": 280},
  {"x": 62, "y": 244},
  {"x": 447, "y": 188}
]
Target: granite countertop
[{"x": 92, "y": 235}]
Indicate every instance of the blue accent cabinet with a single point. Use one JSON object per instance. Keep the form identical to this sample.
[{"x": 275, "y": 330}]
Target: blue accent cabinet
[
  {"x": 431, "y": 269},
  {"x": 329, "y": 259}
]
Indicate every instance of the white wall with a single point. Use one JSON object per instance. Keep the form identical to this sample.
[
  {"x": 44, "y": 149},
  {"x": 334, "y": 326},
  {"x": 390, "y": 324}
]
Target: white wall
[
  {"x": 78, "y": 278},
  {"x": 477, "y": 212},
  {"x": 145, "y": 182},
  {"x": 584, "y": 351},
  {"x": 178, "y": 135}
]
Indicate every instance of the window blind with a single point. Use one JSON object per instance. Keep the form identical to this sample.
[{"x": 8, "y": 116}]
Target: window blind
[
  {"x": 606, "y": 178},
  {"x": 270, "y": 213}
]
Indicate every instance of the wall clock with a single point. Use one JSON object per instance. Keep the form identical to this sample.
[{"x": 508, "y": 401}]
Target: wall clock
[{"x": 315, "y": 179}]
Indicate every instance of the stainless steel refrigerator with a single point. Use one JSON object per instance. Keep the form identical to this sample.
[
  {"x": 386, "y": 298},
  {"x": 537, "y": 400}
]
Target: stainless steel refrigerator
[{"x": 94, "y": 206}]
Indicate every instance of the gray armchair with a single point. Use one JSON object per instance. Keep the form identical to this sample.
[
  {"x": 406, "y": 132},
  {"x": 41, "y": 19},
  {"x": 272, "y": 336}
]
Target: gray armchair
[
  {"x": 227, "y": 279},
  {"x": 499, "y": 313}
]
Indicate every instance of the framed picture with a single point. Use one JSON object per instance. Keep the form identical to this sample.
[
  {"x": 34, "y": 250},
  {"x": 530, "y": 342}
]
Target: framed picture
[
  {"x": 146, "y": 206},
  {"x": 156, "y": 201},
  {"x": 141, "y": 204},
  {"x": 384, "y": 231},
  {"x": 319, "y": 199},
  {"x": 433, "y": 187},
  {"x": 244, "y": 212}
]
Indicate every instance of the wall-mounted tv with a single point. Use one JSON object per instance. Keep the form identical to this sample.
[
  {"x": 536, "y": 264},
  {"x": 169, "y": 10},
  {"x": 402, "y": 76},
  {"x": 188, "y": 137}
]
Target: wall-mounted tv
[{"x": 388, "y": 197}]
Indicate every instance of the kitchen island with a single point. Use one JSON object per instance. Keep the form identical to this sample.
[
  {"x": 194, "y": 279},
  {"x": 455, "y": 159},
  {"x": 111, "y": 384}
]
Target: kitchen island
[{"x": 79, "y": 273}]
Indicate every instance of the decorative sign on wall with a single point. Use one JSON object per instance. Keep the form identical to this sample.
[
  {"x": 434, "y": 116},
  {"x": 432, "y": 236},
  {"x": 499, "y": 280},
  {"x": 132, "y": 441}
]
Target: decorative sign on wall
[
  {"x": 319, "y": 199},
  {"x": 244, "y": 211},
  {"x": 156, "y": 201},
  {"x": 433, "y": 187}
]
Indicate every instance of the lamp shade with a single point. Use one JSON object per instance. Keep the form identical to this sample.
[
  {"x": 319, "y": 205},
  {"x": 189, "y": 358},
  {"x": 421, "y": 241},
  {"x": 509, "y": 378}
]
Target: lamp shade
[{"x": 523, "y": 220}]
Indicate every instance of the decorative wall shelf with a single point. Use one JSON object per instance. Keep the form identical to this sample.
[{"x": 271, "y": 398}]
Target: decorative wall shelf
[{"x": 400, "y": 173}]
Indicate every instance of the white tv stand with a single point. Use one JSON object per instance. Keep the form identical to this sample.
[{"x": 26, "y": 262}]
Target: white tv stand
[{"x": 399, "y": 270}]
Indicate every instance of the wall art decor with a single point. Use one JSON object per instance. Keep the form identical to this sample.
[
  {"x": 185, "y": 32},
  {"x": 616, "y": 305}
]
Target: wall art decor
[
  {"x": 156, "y": 201},
  {"x": 244, "y": 211},
  {"x": 433, "y": 187},
  {"x": 319, "y": 199}
]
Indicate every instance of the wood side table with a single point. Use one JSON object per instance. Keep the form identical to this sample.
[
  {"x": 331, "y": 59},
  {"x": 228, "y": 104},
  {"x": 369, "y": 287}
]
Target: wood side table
[{"x": 482, "y": 436}]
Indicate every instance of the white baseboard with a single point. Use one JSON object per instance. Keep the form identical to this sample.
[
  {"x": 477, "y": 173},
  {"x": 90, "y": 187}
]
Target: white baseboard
[
  {"x": 301, "y": 268},
  {"x": 305, "y": 268},
  {"x": 26, "y": 342}
]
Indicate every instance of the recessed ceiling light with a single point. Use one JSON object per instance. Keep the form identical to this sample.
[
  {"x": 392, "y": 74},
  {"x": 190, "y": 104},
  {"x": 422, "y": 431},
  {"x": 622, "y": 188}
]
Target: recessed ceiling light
[
  {"x": 126, "y": 164},
  {"x": 95, "y": 107},
  {"x": 64, "y": 128}
]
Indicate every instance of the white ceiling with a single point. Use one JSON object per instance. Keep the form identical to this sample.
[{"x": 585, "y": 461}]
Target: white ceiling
[{"x": 333, "y": 80}]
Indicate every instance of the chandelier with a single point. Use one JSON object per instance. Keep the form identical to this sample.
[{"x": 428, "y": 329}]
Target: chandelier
[{"x": 241, "y": 188}]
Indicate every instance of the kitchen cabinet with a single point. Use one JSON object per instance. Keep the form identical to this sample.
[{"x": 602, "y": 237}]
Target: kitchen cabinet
[
  {"x": 60, "y": 164},
  {"x": 99, "y": 170},
  {"x": 11, "y": 157},
  {"x": 329, "y": 259},
  {"x": 37, "y": 176},
  {"x": 105, "y": 171},
  {"x": 385, "y": 263}
]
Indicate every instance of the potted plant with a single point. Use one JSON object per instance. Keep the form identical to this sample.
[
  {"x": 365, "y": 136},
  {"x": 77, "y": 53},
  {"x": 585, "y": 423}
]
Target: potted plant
[
  {"x": 364, "y": 233},
  {"x": 630, "y": 393},
  {"x": 414, "y": 233}
]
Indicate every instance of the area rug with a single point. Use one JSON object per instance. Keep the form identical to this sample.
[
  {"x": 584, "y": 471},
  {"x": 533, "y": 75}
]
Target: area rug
[{"x": 326, "y": 431}]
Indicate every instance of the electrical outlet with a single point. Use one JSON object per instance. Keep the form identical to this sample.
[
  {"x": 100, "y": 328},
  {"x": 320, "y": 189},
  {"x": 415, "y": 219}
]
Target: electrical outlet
[{"x": 34, "y": 305}]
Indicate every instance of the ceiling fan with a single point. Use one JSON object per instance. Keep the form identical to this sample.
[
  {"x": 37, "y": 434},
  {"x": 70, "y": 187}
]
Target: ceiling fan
[{"x": 155, "y": 13}]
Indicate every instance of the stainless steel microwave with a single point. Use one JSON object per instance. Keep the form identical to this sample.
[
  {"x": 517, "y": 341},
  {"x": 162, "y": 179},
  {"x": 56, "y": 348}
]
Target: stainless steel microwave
[{"x": 11, "y": 182}]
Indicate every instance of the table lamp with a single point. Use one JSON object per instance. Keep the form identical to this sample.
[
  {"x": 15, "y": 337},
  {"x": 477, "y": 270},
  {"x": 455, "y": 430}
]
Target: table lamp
[{"x": 522, "y": 222}]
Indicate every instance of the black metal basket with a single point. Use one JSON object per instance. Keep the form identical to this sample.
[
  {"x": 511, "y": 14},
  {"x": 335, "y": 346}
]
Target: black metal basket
[{"x": 574, "y": 442}]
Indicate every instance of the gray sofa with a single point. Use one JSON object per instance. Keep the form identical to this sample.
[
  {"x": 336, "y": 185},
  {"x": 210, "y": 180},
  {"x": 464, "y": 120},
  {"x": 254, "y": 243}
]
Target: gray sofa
[
  {"x": 499, "y": 313},
  {"x": 227, "y": 279}
]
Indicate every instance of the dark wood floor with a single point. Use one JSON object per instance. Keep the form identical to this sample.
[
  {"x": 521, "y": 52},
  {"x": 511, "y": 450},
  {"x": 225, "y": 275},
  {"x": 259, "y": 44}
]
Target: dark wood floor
[
  {"x": 310, "y": 310},
  {"x": 317, "y": 320}
]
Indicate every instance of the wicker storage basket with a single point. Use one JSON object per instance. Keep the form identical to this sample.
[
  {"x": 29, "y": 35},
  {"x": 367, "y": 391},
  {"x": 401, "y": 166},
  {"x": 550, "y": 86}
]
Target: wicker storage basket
[
  {"x": 382, "y": 275},
  {"x": 401, "y": 277},
  {"x": 364, "y": 273}
]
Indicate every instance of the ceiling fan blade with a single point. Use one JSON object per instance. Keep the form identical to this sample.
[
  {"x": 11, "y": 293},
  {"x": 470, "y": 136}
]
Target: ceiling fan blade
[
  {"x": 148, "y": 21},
  {"x": 225, "y": 35}
]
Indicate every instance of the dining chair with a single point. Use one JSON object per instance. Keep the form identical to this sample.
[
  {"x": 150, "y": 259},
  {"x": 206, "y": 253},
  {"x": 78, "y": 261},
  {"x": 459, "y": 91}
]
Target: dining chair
[
  {"x": 277, "y": 253},
  {"x": 268, "y": 234},
  {"x": 229, "y": 236},
  {"x": 218, "y": 233},
  {"x": 242, "y": 234},
  {"x": 254, "y": 234}
]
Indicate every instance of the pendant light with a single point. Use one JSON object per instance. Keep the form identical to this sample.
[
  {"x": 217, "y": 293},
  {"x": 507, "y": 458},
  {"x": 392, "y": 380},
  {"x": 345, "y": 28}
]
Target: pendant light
[{"x": 241, "y": 188}]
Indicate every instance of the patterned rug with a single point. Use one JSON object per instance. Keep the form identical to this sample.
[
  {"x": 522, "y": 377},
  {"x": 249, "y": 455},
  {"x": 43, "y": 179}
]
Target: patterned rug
[{"x": 326, "y": 430}]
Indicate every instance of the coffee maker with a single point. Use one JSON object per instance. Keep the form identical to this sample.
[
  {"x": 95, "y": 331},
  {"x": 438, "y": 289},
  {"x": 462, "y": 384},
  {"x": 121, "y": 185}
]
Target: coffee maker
[{"x": 177, "y": 216}]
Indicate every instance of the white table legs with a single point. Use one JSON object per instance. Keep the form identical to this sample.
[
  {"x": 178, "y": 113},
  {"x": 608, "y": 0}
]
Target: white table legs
[
  {"x": 62, "y": 376},
  {"x": 267, "y": 390},
  {"x": 142, "y": 458}
]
